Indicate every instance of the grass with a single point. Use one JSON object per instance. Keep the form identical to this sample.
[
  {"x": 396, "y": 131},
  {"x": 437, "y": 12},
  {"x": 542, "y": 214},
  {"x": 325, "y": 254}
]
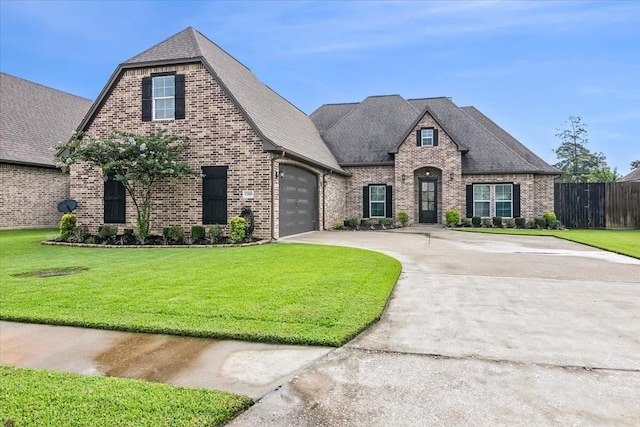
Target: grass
[
  {"x": 31, "y": 397},
  {"x": 625, "y": 242},
  {"x": 280, "y": 293}
]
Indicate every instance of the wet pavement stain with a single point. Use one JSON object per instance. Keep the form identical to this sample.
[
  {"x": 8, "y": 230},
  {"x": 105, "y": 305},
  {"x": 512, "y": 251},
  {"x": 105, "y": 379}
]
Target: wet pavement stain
[{"x": 151, "y": 357}]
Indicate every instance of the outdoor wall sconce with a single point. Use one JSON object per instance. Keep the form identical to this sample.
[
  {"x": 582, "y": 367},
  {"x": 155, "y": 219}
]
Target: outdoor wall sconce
[
  {"x": 427, "y": 173},
  {"x": 404, "y": 177},
  {"x": 452, "y": 176}
]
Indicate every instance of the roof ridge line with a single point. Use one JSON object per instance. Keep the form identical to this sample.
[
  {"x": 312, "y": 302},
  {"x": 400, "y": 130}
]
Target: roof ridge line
[{"x": 223, "y": 51}]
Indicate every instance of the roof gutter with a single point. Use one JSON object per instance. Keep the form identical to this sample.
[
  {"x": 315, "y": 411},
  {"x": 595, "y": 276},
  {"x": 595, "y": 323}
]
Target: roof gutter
[{"x": 21, "y": 163}]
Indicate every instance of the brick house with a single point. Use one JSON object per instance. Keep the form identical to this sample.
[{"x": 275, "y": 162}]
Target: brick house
[
  {"x": 33, "y": 118},
  {"x": 296, "y": 172}
]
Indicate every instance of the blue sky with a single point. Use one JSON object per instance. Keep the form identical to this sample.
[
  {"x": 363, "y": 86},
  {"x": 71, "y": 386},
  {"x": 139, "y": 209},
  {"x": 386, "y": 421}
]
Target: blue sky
[{"x": 527, "y": 65}]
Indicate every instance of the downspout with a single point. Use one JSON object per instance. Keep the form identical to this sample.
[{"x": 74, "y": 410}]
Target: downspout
[{"x": 273, "y": 194}]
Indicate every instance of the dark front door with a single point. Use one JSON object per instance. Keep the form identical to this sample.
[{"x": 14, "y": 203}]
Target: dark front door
[{"x": 428, "y": 197}]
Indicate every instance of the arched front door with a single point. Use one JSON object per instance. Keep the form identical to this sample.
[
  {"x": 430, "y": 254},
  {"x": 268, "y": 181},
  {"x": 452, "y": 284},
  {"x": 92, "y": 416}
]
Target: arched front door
[{"x": 428, "y": 200}]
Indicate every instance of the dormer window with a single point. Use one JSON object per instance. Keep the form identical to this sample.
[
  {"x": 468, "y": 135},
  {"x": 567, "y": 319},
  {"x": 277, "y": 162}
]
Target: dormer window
[
  {"x": 164, "y": 102},
  {"x": 427, "y": 137}
]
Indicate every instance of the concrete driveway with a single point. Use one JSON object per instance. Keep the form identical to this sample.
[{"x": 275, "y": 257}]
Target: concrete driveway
[{"x": 480, "y": 330}]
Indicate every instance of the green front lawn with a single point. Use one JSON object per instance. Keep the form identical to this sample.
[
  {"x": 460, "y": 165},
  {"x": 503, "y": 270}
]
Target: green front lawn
[
  {"x": 282, "y": 293},
  {"x": 42, "y": 398},
  {"x": 625, "y": 242}
]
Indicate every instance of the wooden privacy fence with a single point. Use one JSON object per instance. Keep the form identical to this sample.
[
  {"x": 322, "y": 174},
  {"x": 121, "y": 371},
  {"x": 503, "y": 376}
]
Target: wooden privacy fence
[{"x": 598, "y": 205}]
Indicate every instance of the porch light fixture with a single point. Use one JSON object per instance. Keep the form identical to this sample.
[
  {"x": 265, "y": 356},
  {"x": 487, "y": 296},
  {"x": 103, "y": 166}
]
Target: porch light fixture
[
  {"x": 452, "y": 176},
  {"x": 404, "y": 177},
  {"x": 427, "y": 173}
]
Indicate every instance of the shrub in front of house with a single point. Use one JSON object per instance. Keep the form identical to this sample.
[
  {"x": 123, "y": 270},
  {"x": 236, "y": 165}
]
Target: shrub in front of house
[
  {"x": 216, "y": 234},
  {"x": 521, "y": 222},
  {"x": 237, "y": 229},
  {"x": 476, "y": 221},
  {"x": 486, "y": 223},
  {"x": 365, "y": 222},
  {"x": 386, "y": 223},
  {"x": 338, "y": 225},
  {"x": 403, "y": 217},
  {"x": 107, "y": 232},
  {"x": 67, "y": 225},
  {"x": 548, "y": 217},
  {"x": 554, "y": 224},
  {"x": 453, "y": 217},
  {"x": 540, "y": 223},
  {"x": 79, "y": 234},
  {"x": 497, "y": 222},
  {"x": 197, "y": 233},
  {"x": 173, "y": 234},
  {"x": 466, "y": 222},
  {"x": 509, "y": 223},
  {"x": 351, "y": 222}
]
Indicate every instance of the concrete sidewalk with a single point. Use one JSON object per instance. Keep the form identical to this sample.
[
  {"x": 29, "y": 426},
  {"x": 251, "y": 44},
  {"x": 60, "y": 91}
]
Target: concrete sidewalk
[
  {"x": 250, "y": 369},
  {"x": 480, "y": 330}
]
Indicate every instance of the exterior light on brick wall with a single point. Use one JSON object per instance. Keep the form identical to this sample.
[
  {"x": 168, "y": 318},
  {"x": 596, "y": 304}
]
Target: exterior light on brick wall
[
  {"x": 452, "y": 176},
  {"x": 404, "y": 177},
  {"x": 427, "y": 173}
]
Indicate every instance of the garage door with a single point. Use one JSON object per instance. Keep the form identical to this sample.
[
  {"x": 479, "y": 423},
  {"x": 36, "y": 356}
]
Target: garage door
[{"x": 298, "y": 200}]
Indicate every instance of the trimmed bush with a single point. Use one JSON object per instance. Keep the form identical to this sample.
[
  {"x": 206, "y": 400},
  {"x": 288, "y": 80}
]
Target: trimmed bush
[
  {"x": 237, "y": 229},
  {"x": 486, "y": 223},
  {"x": 540, "y": 223},
  {"x": 386, "y": 222},
  {"x": 554, "y": 224},
  {"x": 79, "y": 234},
  {"x": 365, "y": 222},
  {"x": 403, "y": 217},
  {"x": 548, "y": 217},
  {"x": 216, "y": 234},
  {"x": 351, "y": 222},
  {"x": 476, "y": 221},
  {"x": 466, "y": 222},
  {"x": 497, "y": 222},
  {"x": 509, "y": 223},
  {"x": 452, "y": 216},
  {"x": 67, "y": 225},
  {"x": 173, "y": 234},
  {"x": 197, "y": 232},
  {"x": 521, "y": 222},
  {"x": 531, "y": 224},
  {"x": 107, "y": 232},
  {"x": 338, "y": 225}
]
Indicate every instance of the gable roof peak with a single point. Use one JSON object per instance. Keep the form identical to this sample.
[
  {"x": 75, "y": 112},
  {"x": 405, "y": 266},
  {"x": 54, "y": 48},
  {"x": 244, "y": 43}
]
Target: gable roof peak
[{"x": 181, "y": 45}]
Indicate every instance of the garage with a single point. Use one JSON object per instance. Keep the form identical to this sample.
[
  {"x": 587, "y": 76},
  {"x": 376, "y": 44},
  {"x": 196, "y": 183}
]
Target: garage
[{"x": 298, "y": 200}]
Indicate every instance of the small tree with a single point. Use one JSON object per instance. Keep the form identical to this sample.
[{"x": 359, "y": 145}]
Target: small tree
[
  {"x": 140, "y": 163},
  {"x": 635, "y": 164}
]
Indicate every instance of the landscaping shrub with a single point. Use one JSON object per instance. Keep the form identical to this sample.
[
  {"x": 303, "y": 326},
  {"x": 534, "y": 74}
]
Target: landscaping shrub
[
  {"x": 486, "y": 223},
  {"x": 554, "y": 224},
  {"x": 351, "y": 222},
  {"x": 216, "y": 234},
  {"x": 466, "y": 222},
  {"x": 540, "y": 223},
  {"x": 197, "y": 232},
  {"x": 79, "y": 235},
  {"x": 476, "y": 221},
  {"x": 531, "y": 224},
  {"x": 386, "y": 223},
  {"x": 509, "y": 223},
  {"x": 497, "y": 222},
  {"x": 107, "y": 232},
  {"x": 173, "y": 234},
  {"x": 403, "y": 217},
  {"x": 365, "y": 222},
  {"x": 452, "y": 216},
  {"x": 521, "y": 222},
  {"x": 67, "y": 224},
  {"x": 548, "y": 217},
  {"x": 236, "y": 229},
  {"x": 338, "y": 225}
]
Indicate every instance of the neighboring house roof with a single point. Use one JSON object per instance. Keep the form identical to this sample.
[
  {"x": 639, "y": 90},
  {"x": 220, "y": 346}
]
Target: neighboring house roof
[
  {"x": 378, "y": 125},
  {"x": 34, "y": 118},
  {"x": 633, "y": 176},
  {"x": 282, "y": 126}
]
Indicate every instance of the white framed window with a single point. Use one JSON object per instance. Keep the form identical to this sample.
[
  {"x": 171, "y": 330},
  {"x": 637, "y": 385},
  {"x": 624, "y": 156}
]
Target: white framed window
[
  {"x": 482, "y": 200},
  {"x": 377, "y": 201},
  {"x": 426, "y": 137},
  {"x": 503, "y": 200},
  {"x": 164, "y": 97}
]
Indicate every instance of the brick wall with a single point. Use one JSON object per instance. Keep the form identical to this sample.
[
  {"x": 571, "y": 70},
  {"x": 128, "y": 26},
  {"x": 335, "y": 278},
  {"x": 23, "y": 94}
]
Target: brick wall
[
  {"x": 362, "y": 176},
  {"x": 442, "y": 161},
  {"x": 29, "y": 196},
  {"x": 219, "y": 135}
]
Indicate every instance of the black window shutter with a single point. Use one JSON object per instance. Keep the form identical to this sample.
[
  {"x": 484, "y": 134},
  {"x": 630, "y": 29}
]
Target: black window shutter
[
  {"x": 418, "y": 137},
  {"x": 365, "y": 201},
  {"x": 214, "y": 195},
  {"x": 114, "y": 201},
  {"x": 389, "y": 202},
  {"x": 179, "y": 99},
  {"x": 435, "y": 137},
  {"x": 516, "y": 200},
  {"x": 147, "y": 99},
  {"x": 469, "y": 201}
]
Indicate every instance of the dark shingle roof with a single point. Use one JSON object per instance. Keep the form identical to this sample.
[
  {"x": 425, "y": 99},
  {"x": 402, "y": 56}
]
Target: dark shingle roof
[
  {"x": 34, "y": 118},
  {"x": 281, "y": 124},
  {"x": 363, "y": 134},
  {"x": 371, "y": 130},
  {"x": 633, "y": 176}
]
